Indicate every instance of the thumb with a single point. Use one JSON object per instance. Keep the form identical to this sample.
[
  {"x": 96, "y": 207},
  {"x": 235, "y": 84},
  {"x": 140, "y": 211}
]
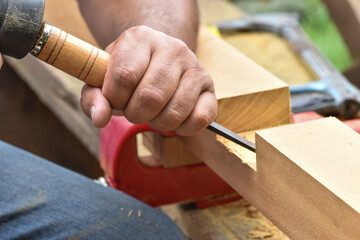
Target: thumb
[{"x": 95, "y": 106}]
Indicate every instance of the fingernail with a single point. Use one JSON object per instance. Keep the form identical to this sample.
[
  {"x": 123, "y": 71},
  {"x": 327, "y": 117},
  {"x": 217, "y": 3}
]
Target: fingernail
[{"x": 92, "y": 112}]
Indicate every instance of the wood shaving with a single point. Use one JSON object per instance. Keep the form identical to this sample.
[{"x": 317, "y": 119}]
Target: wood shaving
[
  {"x": 265, "y": 230},
  {"x": 130, "y": 213}
]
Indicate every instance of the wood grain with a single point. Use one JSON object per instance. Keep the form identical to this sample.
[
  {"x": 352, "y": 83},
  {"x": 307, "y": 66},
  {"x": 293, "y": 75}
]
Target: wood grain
[{"x": 306, "y": 178}]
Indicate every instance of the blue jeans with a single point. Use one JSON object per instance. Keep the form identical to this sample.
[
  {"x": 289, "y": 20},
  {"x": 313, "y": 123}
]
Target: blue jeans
[{"x": 39, "y": 200}]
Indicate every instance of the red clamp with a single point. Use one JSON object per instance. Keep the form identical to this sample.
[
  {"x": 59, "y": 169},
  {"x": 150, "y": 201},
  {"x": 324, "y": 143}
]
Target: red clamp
[{"x": 155, "y": 186}]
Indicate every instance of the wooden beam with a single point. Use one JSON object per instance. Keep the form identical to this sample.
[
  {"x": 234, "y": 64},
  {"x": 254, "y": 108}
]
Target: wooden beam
[
  {"x": 249, "y": 97},
  {"x": 305, "y": 178}
]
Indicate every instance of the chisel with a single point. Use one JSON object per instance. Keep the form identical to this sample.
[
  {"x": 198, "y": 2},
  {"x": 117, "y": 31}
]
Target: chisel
[{"x": 23, "y": 31}]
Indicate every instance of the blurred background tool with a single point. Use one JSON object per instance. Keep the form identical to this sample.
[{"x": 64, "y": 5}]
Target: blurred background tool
[{"x": 332, "y": 93}]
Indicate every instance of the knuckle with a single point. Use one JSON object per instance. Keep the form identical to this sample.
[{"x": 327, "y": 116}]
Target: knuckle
[
  {"x": 203, "y": 118},
  {"x": 125, "y": 78},
  {"x": 139, "y": 31},
  {"x": 150, "y": 97},
  {"x": 179, "y": 48},
  {"x": 173, "y": 119}
]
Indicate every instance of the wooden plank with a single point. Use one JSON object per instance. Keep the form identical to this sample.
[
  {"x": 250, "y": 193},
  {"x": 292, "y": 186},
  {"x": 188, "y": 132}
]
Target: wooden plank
[
  {"x": 305, "y": 179},
  {"x": 249, "y": 97},
  {"x": 162, "y": 148}
]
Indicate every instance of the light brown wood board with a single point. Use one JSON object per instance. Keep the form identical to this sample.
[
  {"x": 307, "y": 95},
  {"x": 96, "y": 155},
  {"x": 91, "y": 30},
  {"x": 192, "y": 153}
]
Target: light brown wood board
[{"x": 305, "y": 178}]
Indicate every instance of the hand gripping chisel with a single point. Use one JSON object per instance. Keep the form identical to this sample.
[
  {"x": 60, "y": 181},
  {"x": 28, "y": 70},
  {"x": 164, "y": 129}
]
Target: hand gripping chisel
[{"x": 23, "y": 31}]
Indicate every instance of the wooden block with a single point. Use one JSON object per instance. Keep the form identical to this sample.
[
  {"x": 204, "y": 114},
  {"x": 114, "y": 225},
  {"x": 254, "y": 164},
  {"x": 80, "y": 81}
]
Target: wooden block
[
  {"x": 249, "y": 97},
  {"x": 306, "y": 177},
  {"x": 163, "y": 149}
]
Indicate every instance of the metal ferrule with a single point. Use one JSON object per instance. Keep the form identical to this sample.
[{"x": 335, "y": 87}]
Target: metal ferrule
[{"x": 42, "y": 40}]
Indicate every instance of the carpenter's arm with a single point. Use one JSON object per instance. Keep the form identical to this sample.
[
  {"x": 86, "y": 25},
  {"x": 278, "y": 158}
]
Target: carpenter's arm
[{"x": 107, "y": 19}]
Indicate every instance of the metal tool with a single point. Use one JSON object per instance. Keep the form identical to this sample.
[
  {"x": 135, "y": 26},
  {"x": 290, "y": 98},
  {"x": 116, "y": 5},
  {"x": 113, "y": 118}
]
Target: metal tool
[
  {"x": 226, "y": 133},
  {"x": 332, "y": 93},
  {"x": 23, "y": 31}
]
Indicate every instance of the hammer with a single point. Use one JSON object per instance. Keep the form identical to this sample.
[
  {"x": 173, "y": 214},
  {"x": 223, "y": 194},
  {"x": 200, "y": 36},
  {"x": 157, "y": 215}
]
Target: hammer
[{"x": 23, "y": 31}]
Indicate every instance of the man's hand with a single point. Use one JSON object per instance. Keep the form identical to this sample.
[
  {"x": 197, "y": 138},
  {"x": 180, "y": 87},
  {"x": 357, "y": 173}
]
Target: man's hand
[
  {"x": 1, "y": 61},
  {"x": 154, "y": 78}
]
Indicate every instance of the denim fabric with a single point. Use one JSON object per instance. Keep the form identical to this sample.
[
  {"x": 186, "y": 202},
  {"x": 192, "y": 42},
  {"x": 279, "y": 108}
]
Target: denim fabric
[{"x": 39, "y": 200}]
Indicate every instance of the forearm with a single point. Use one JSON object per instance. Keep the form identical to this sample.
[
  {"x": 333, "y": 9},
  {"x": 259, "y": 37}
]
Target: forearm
[{"x": 107, "y": 19}]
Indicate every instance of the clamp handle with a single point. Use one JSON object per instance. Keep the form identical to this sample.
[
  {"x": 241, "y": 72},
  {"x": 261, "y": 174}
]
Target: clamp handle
[
  {"x": 153, "y": 185},
  {"x": 75, "y": 57}
]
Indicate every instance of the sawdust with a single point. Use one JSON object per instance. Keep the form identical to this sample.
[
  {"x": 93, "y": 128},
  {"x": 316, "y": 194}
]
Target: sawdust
[
  {"x": 265, "y": 230},
  {"x": 262, "y": 228},
  {"x": 248, "y": 157}
]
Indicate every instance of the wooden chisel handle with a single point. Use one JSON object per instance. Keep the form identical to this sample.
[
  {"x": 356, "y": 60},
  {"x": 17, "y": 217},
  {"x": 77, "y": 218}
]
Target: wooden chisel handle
[{"x": 73, "y": 56}]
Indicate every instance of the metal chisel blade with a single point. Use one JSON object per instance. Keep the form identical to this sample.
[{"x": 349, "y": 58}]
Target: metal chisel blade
[{"x": 226, "y": 133}]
